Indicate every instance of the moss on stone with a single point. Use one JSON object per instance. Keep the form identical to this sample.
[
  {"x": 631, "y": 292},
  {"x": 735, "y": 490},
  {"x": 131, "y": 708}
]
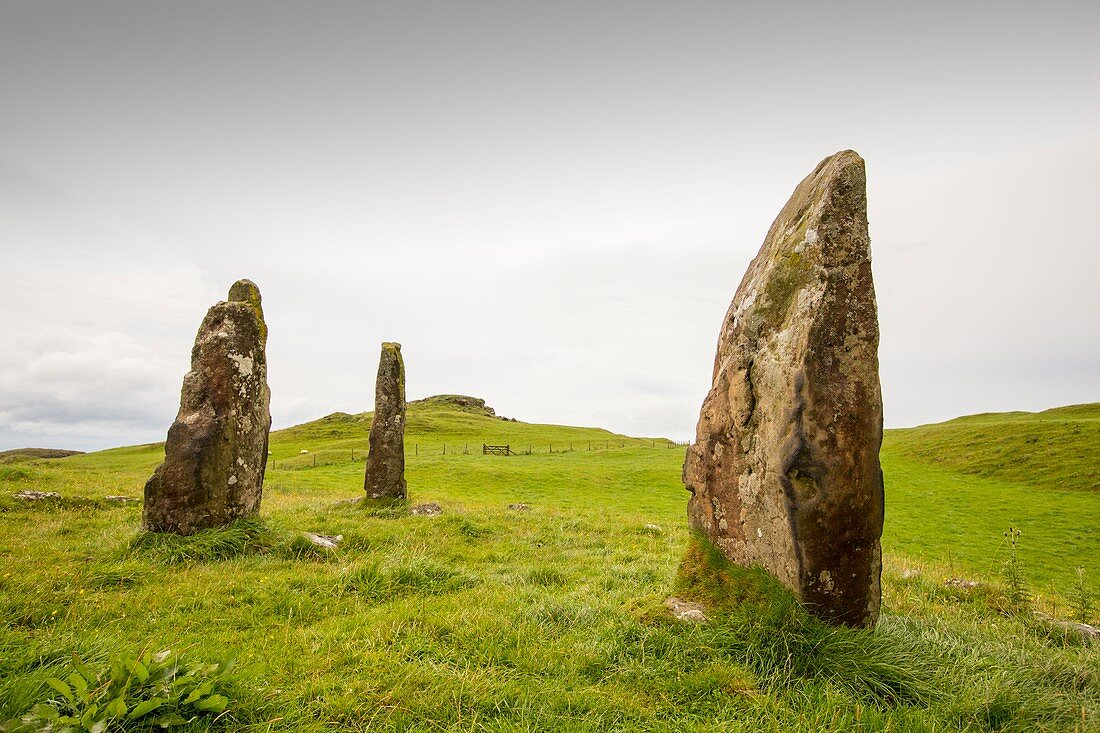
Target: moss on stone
[
  {"x": 708, "y": 577},
  {"x": 246, "y": 291},
  {"x": 791, "y": 273}
]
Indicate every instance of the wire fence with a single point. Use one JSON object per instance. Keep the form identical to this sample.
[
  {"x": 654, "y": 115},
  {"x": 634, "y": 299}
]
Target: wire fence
[{"x": 333, "y": 456}]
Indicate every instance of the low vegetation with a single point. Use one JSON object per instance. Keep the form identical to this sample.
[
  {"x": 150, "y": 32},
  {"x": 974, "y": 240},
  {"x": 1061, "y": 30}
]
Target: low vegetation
[{"x": 549, "y": 618}]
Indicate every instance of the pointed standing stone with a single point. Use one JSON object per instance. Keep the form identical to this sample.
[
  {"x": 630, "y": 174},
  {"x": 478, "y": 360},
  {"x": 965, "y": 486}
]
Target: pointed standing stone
[
  {"x": 216, "y": 452},
  {"x": 385, "y": 478},
  {"x": 784, "y": 471}
]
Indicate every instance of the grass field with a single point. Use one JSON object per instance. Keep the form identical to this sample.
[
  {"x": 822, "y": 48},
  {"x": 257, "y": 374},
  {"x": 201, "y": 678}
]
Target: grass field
[{"x": 550, "y": 619}]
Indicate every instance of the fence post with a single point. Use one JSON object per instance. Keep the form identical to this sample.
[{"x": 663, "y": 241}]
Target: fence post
[{"x": 315, "y": 460}]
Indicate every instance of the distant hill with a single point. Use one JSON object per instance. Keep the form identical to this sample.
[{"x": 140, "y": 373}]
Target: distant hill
[
  {"x": 40, "y": 453},
  {"x": 454, "y": 420},
  {"x": 1053, "y": 449}
]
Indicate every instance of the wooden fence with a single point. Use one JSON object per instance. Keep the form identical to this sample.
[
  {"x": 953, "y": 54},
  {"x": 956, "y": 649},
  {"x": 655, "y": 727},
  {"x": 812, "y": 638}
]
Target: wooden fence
[{"x": 332, "y": 456}]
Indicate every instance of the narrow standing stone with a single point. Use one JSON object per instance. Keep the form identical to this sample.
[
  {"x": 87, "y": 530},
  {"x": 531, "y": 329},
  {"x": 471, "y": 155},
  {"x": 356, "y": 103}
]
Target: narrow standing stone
[
  {"x": 784, "y": 471},
  {"x": 216, "y": 452},
  {"x": 385, "y": 478}
]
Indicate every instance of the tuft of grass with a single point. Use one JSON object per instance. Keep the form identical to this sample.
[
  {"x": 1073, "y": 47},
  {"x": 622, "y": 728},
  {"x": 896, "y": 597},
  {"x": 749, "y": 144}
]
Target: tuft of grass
[
  {"x": 467, "y": 528},
  {"x": 118, "y": 576},
  {"x": 245, "y": 536},
  {"x": 418, "y": 576},
  {"x": 546, "y": 577},
  {"x": 384, "y": 508},
  {"x": 300, "y": 548},
  {"x": 759, "y": 620}
]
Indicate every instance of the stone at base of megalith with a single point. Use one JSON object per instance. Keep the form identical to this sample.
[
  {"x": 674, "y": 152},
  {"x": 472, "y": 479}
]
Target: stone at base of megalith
[
  {"x": 784, "y": 471},
  {"x": 216, "y": 452},
  {"x": 385, "y": 473}
]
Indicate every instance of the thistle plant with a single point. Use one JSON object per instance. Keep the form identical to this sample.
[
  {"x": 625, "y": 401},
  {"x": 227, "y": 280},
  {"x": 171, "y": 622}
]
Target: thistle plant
[
  {"x": 1012, "y": 571},
  {"x": 1082, "y": 598}
]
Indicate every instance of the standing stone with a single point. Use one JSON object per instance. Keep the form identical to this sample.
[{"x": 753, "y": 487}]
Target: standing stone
[
  {"x": 385, "y": 477},
  {"x": 784, "y": 472},
  {"x": 216, "y": 453}
]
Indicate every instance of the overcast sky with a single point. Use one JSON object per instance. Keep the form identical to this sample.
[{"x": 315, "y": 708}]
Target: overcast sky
[{"x": 549, "y": 204}]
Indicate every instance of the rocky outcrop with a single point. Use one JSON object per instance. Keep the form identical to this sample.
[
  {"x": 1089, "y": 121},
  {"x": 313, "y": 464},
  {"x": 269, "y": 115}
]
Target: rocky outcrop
[
  {"x": 784, "y": 472},
  {"x": 39, "y": 453},
  {"x": 216, "y": 452},
  {"x": 469, "y": 404},
  {"x": 385, "y": 477}
]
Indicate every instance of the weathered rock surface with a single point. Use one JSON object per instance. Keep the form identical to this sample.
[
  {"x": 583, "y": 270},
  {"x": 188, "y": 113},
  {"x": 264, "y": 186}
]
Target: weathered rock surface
[
  {"x": 470, "y": 404},
  {"x": 784, "y": 472},
  {"x": 31, "y": 495},
  {"x": 327, "y": 541},
  {"x": 431, "y": 509},
  {"x": 962, "y": 583},
  {"x": 216, "y": 452},
  {"x": 385, "y": 476},
  {"x": 1087, "y": 632},
  {"x": 685, "y": 610}
]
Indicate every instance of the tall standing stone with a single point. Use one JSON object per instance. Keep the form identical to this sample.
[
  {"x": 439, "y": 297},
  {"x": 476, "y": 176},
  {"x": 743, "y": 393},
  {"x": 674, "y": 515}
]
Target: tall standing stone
[
  {"x": 385, "y": 478},
  {"x": 784, "y": 472},
  {"x": 216, "y": 452}
]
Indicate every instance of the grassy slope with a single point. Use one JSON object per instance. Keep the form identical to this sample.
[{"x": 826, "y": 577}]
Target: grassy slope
[
  {"x": 953, "y": 488},
  {"x": 1055, "y": 449},
  {"x": 488, "y": 619}
]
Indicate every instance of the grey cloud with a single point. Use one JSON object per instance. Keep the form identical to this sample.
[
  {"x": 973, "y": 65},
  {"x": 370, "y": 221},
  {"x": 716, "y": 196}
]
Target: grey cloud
[{"x": 549, "y": 204}]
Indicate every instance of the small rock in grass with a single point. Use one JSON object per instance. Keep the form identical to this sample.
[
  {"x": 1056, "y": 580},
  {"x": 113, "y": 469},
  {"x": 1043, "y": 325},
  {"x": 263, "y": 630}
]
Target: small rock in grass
[
  {"x": 426, "y": 510},
  {"x": 652, "y": 529},
  {"x": 1087, "y": 632},
  {"x": 910, "y": 573},
  {"x": 327, "y": 541},
  {"x": 29, "y": 495},
  {"x": 961, "y": 583},
  {"x": 303, "y": 452},
  {"x": 121, "y": 499},
  {"x": 685, "y": 610},
  {"x": 521, "y": 507}
]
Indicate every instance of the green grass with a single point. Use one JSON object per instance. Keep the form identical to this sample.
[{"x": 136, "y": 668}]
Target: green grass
[
  {"x": 953, "y": 488},
  {"x": 1055, "y": 449},
  {"x": 549, "y": 619}
]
